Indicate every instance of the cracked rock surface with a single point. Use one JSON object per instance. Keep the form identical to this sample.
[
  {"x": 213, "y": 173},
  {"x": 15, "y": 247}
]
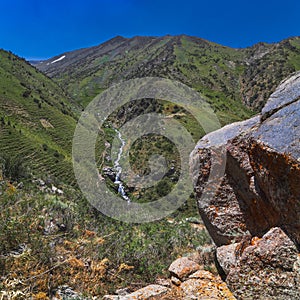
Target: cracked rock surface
[{"x": 251, "y": 207}]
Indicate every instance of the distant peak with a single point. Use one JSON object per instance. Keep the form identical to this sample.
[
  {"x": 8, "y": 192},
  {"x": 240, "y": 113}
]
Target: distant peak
[{"x": 118, "y": 38}]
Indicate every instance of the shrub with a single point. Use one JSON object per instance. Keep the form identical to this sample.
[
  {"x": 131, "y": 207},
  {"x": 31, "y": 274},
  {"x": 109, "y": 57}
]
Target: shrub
[
  {"x": 13, "y": 167},
  {"x": 26, "y": 93}
]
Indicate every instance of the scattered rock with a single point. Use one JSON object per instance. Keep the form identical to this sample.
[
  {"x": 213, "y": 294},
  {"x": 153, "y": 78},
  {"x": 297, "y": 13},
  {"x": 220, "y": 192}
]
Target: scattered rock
[
  {"x": 206, "y": 255},
  {"x": 183, "y": 267},
  {"x": 41, "y": 182},
  {"x": 164, "y": 282},
  {"x": 21, "y": 249},
  {"x": 52, "y": 226},
  {"x": 202, "y": 274},
  {"x": 20, "y": 185},
  {"x": 153, "y": 291},
  {"x": 226, "y": 256},
  {"x": 110, "y": 173},
  {"x": 196, "y": 284},
  {"x": 194, "y": 220},
  {"x": 111, "y": 297},
  {"x": 65, "y": 292},
  {"x": 56, "y": 190}
]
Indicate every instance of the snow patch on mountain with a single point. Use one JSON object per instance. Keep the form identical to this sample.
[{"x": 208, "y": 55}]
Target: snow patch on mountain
[{"x": 61, "y": 58}]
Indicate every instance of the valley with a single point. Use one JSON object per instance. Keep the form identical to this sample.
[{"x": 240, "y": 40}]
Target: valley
[{"x": 54, "y": 243}]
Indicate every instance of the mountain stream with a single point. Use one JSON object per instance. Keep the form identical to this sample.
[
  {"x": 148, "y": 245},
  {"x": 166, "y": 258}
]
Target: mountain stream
[{"x": 118, "y": 168}]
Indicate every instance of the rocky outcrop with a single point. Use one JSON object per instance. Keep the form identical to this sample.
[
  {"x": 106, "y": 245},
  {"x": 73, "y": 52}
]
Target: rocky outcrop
[
  {"x": 188, "y": 280},
  {"x": 265, "y": 268},
  {"x": 246, "y": 177}
]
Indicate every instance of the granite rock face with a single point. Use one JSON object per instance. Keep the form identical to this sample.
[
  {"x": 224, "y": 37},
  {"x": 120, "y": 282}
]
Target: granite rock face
[
  {"x": 247, "y": 182},
  {"x": 265, "y": 268}
]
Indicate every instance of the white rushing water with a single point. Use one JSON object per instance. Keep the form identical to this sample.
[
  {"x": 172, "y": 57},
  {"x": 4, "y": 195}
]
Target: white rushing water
[{"x": 118, "y": 169}]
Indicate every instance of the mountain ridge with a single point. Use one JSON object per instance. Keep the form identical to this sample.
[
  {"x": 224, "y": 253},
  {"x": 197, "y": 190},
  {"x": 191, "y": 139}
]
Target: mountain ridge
[{"x": 242, "y": 75}]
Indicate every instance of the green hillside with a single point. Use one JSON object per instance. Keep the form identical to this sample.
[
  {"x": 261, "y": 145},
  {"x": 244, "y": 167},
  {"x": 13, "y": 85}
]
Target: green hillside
[
  {"x": 205, "y": 66},
  {"x": 37, "y": 119},
  {"x": 235, "y": 81}
]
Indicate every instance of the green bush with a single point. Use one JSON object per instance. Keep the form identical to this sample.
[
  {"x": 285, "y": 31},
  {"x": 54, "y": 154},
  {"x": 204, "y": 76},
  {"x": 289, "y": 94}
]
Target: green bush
[{"x": 13, "y": 167}]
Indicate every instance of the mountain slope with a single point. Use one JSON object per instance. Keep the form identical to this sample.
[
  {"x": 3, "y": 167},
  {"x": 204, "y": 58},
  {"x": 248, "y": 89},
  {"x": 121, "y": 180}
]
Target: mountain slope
[
  {"x": 37, "y": 119},
  {"x": 228, "y": 77},
  {"x": 87, "y": 72}
]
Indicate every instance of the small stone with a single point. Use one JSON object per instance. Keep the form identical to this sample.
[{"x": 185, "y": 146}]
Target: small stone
[
  {"x": 111, "y": 297},
  {"x": 183, "y": 267},
  {"x": 150, "y": 292},
  {"x": 153, "y": 291}
]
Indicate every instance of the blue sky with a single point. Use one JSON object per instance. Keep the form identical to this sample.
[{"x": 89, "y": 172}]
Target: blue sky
[{"x": 44, "y": 28}]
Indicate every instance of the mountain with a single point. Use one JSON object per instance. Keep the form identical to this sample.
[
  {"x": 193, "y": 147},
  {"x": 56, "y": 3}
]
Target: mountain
[
  {"x": 229, "y": 78},
  {"x": 58, "y": 245},
  {"x": 37, "y": 119}
]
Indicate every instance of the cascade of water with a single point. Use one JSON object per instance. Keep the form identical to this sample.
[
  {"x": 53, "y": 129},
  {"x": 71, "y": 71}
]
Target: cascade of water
[{"x": 118, "y": 168}]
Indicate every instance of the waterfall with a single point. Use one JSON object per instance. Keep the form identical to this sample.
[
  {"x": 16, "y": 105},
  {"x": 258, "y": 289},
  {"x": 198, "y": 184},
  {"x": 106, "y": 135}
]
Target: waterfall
[{"x": 118, "y": 169}]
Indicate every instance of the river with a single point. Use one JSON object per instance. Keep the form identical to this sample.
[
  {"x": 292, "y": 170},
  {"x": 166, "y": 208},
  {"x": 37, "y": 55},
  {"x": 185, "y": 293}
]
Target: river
[{"x": 118, "y": 168}]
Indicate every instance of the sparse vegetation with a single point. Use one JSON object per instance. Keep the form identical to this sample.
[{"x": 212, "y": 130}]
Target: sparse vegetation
[{"x": 47, "y": 241}]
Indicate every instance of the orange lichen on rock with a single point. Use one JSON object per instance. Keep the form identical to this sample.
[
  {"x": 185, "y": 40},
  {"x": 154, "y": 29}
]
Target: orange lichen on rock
[{"x": 254, "y": 240}]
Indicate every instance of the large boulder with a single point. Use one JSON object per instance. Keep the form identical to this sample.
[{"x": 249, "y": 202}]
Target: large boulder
[{"x": 246, "y": 178}]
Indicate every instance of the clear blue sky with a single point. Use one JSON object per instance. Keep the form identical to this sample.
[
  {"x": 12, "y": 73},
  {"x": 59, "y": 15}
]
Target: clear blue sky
[{"x": 44, "y": 28}]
